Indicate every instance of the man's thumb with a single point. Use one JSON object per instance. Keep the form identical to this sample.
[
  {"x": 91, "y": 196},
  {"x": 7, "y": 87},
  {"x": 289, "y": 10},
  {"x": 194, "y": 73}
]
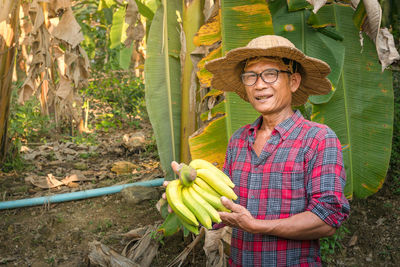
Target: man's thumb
[{"x": 227, "y": 203}]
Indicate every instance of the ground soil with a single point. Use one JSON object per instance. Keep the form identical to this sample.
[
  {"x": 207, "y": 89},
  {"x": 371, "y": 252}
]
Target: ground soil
[{"x": 58, "y": 234}]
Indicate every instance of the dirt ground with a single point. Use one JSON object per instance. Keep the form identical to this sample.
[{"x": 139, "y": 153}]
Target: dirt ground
[{"x": 59, "y": 234}]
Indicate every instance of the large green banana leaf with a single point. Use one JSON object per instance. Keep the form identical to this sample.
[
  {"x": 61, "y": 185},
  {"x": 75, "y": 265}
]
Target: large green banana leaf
[
  {"x": 360, "y": 110},
  {"x": 163, "y": 91},
  {"x": 118, "y": 28},
  {"x": 240, "y": 21},
  {"x": 293, "y": 25}
]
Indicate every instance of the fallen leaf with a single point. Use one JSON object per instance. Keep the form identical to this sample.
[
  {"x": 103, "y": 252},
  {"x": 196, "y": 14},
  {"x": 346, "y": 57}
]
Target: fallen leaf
[
  {"x": 353, "y": 241},
  {"x": 123, "y": 167}
]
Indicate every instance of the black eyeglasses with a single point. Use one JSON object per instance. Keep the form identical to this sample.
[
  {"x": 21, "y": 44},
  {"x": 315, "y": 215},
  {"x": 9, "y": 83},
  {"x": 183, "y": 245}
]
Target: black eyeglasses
[{"x": 268, "y": 76}]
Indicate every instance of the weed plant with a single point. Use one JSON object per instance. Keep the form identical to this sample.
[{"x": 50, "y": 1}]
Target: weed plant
[
  {"x": 26, "y": 125},
  {"x": 115, "y": 98},
  {"x": 332, "y": 244}
]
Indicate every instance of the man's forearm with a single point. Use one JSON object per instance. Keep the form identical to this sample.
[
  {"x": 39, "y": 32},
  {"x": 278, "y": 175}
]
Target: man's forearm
[{"x": 302, "y": 226}]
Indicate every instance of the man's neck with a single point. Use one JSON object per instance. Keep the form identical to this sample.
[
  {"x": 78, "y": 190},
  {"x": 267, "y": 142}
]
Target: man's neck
[{"x": 270, "y": 121}]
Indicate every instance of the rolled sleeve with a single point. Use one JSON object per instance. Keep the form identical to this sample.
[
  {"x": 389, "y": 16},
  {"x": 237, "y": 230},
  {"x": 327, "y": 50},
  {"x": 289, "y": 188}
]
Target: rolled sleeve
[{"x": 326, "y": 181}]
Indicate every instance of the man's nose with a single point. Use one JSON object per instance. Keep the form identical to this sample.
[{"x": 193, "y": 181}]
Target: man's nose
[{"x": 260, "y": 84}]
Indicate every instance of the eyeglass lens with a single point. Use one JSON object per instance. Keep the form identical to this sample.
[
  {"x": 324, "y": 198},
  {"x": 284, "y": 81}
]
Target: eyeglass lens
[{"x": 268, "y": 76}]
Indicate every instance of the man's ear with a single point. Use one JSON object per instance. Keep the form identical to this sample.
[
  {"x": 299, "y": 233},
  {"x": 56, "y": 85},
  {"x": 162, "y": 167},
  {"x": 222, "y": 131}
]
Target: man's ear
[{"x": 295, "y": 80}]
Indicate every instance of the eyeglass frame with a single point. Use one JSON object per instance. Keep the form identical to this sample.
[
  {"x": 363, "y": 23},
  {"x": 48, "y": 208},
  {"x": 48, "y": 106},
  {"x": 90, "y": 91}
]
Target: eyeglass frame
[{"x": 259, "y": 75}]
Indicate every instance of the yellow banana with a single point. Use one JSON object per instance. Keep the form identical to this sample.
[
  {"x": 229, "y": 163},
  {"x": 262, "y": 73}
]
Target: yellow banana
[
  {"x": 203, "y": 164},
  {"x": 198, "y": 210},
  {"x": 210, "y": 209},
  {"x": 211, "y": 199},
  {"x": 206, "y": 187},
  {"x": 174, "y": 198},
  {"x": 220, "y": 186}
]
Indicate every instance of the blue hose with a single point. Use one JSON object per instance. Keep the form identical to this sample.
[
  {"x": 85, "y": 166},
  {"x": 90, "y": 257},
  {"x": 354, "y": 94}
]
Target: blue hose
[{"x": 75, "y": 195}]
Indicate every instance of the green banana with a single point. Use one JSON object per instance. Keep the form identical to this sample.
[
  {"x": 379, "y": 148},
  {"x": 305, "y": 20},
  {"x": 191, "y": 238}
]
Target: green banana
[
  {"x": 203, "y": 164},
  {"x": 211, "y": 199},
  {"x": 220, "y": 186},
  {"x": 209, "y": 209},
  {"x": 206, "y": 187},
  {"x": 191, "y": 228},
  {"x": 187, "y": 174},
  {"x": 174, "y": 198},
  {"x": 200, "y": 212}
]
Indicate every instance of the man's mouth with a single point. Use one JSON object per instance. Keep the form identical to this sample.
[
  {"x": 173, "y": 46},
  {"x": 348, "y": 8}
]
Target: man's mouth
[{"x": 262, "y": 97}]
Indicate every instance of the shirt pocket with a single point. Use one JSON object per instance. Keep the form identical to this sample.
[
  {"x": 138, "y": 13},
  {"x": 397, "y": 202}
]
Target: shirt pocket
[
  {"x": 286, "y": 194},
  {"x": 293, "y": 195}
]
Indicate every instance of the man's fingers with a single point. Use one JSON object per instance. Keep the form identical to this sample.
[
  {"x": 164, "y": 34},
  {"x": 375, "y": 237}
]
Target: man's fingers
[
  {"x": 229, "y": 204},
  {"x": 175, "y": 167}
]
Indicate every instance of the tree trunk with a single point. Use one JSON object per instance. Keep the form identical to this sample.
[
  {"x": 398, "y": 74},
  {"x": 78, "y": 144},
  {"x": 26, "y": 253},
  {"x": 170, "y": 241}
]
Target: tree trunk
[{"x": 8, "y": 41}]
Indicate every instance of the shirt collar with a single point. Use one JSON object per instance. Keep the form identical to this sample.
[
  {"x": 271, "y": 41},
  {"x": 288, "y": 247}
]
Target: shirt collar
[{"x": 284, "y": 128}]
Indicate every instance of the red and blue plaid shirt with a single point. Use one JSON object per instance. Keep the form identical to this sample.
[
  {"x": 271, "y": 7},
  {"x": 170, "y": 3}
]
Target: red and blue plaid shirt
[{"x": 299, "y": 169}]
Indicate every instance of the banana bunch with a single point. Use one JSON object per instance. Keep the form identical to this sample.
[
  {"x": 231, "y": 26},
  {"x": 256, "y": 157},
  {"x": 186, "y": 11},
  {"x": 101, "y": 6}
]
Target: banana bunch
[{"x": 195, "y": 196}]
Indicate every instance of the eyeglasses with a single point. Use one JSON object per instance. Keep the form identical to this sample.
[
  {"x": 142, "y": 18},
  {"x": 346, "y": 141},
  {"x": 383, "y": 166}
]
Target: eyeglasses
[{"x": 268, "y": 76}]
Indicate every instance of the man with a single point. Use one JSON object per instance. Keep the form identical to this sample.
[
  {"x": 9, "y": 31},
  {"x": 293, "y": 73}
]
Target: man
[{"x": 288, "y": 172}]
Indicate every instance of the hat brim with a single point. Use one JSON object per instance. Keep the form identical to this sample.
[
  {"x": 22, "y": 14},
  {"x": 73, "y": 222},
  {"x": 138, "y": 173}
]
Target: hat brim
[{"x": 226, "y": 71}]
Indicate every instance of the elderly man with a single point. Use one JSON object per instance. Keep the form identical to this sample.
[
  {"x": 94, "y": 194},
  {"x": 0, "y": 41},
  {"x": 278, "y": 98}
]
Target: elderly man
[{"x": 288, "y": 171}]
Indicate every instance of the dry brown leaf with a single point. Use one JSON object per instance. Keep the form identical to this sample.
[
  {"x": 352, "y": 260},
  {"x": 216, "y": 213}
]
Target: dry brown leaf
[
  {"x": 37, "y": 12},
  {"x": 386, "y": 48},
  {"x": 131, "y": 17},
  {"x": 353, "y": 241},
  {"x": 5, "y": 9},
  {"x": 64, "y": 88},
  {"x": 123, "y": 167},
  {"x": 214, "y": 247},
  {"x": 104, "y": 256},
  {"x": 73, "y": 185},
  {"x": 68, "y": 29},
  {"x": 136, "y": 233},
  {"x": 382, "y": 38},
  {"x": 58, "y": 6},
  {"x": 183, "y": 255},
  {"x": 143, "y": 251}
]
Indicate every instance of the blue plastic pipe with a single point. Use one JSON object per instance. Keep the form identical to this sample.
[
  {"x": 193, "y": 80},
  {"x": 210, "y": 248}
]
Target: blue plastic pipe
[{"x": 75, "y": 195}]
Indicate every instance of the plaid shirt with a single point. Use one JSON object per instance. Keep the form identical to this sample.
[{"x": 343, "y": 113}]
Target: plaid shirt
[{"x": 299, "y": 169}]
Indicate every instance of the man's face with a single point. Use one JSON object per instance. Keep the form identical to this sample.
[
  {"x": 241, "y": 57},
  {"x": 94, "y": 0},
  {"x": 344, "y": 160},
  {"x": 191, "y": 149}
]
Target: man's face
[{"x": 271, "y": 98}]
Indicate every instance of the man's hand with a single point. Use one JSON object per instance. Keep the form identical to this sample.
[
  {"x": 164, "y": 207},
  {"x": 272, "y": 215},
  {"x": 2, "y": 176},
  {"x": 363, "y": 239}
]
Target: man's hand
[
  {"x": 240, "y": 217},
  {"x": 175, "y": 167},
  {"x": 302, "y": 226}
]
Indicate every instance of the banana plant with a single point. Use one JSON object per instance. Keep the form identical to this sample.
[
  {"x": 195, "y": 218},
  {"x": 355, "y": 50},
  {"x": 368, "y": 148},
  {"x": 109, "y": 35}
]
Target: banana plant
[
  {"x": 331, "y": 36},
  {"x": 235, "y": 29},
  {"x": 359, "y": 109},
  {"x": 9, "y": 38},
  {"x": 192, "y": 19},
  {"x": 162, "y": 79}
]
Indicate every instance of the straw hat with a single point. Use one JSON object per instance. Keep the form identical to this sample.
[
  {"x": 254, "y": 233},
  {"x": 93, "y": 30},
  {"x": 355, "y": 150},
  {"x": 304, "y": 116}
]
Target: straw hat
[{"x": 226, "y": 70}]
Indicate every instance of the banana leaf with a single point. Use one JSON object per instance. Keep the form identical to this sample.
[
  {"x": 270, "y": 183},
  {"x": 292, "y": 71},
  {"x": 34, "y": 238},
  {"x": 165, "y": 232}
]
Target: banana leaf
[
  {"x": 163, "y": 91},
  {"x": 210, "y": 142},
  {"x": 360, "y": 110},
  {"x": 240, "y": 22},
  {"x": 118, "y": 28},
  {"x": 192, "y": 20},
  {"x": 294, "y": 26}
]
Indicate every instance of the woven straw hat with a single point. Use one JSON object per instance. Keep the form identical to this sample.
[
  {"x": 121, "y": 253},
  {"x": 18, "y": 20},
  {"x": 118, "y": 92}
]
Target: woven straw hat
[{"x": 226, "y": 70}]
